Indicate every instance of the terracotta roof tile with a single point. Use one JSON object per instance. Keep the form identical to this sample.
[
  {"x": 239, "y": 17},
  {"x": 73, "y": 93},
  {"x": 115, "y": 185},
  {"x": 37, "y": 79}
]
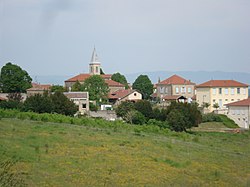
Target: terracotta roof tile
[
  {"x": 222, "y": 83},
  {"x": 175, "y": 79},
  {"x": 71, "y": 95},
  {"x": 245, "y": 102},
  {"x": 173, "y": 97},
  {"x": 112, "y": 83},
  {"x": 37, "y": 87},
  {"x": 82, "y": 77},
  {"x": 120, "y": 94}
]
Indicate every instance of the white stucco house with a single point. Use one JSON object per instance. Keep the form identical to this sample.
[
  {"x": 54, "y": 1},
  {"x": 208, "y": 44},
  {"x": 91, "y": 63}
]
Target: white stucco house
[{"x": 240, "y": 112}]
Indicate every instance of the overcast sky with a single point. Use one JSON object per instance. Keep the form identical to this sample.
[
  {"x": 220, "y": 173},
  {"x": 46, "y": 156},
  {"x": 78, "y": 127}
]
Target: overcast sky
[{"x": 56, "y": 37}]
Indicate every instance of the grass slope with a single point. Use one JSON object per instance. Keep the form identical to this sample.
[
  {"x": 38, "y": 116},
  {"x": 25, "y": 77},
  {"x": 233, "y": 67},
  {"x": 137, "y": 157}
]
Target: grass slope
[{"x": 51, "y": 154}]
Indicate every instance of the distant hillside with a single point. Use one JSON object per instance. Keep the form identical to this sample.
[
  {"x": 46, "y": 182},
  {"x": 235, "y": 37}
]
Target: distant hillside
[{"x": 195, "y": 76}]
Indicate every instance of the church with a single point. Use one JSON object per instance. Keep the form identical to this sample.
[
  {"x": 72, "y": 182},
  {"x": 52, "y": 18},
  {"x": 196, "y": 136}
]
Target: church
[{"x": 94, "y": 69}]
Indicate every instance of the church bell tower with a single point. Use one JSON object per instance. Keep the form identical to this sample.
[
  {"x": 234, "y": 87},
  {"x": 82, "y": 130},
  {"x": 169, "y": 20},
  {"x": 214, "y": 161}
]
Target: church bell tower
[{"x": 95, "y": 64}]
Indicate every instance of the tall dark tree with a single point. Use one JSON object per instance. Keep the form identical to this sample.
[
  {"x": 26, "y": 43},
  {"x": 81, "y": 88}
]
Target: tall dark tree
[
  {"x": 120, "y": 78},
  {"x": 14, "y": 79},
  {"x": 39, "y": 103},
  {"x": 96, "y": 87},
  {"x": 144, "y": 85},
  {"x": 62, "y": 105},
  {"x": 124, "y": 108},
  {"x": 183, "y": 116},
  {"x": 145, "y": 108}
]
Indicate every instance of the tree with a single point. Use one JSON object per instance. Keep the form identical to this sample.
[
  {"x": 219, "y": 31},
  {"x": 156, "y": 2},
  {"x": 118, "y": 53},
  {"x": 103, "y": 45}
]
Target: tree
[
  {"x": 77, "y": 86},
  {"x": 124, "y": 108},
  {"x": 62, "y": 105},
  {"x": 182, "y": 116},
  {"x": 14, "y": 79},
  {"x": 216, "y": 106},
  {"x": 120, "y": 78},
  {"x": 144, "y": 85},
  {"x": 96, "y": 87},
  {"x": 39, "y": 103},
  {"x": 144, "y": 107},
  {"x": 55, "y": 88}
]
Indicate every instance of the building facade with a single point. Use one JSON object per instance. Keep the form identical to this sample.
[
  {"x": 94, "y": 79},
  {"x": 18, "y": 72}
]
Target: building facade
[
  {"x": 81, "y": 99},
  {"x": 220, "y": 92},
  {"x": 240, "y": 112},
  {"x": 175, "y": 86}
]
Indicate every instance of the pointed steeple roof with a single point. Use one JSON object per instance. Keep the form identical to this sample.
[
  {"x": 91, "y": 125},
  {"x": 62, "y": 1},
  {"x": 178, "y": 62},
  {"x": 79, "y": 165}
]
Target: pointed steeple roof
[{"x": 94, "y": 58}]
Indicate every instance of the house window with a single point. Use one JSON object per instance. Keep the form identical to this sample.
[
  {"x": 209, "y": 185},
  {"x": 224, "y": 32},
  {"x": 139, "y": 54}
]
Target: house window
[
  {"x": 166, "y": 90},
  {"x": 161, "y": 89},
  {"x": 244, "y": 91},
  {"x": 238, "y": 90},
  {"x": 232, "y": 91},
  {"x": 134, "y": 94},
  {"x": 214, "y": 100},
  {"x": 183, "y": 89},
  {"x": 176, "y": 90},
  {"x": 189, "y": 90},
  {"x": 96, "y": 69},
  {"x": 220, "y": 90},
  {"x": 92, "y": 69},
  {"x": 84, "y": 105},
  {"x": 214, "y": 91},
  {"x": 232, "y": 99},
  {"x": 226, "y": 91},
  {"x": 220, "y": 103}
]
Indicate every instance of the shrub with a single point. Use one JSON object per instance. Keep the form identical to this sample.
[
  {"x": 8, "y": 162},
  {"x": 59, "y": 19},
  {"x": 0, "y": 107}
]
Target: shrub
[{"x": 211, "y": 117}]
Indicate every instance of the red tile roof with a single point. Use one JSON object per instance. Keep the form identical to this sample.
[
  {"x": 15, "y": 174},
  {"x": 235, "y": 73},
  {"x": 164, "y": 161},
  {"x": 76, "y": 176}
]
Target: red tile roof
[
  {"x": 79, "y": 95},
  {"x": 175, "y": 79},
  {"x": 37, "y": 87},
  {"x": 82, "y": 77},
  {"x": 120, "y": 94},
  {"x": 245, "y": 102},
  {"x": 173, "y": 97},
  {"x": 112, "y": 83},
  {"x": 222, "y": 83}
]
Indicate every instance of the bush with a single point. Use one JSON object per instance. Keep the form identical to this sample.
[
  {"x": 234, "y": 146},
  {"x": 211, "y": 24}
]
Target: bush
[
  {"x": 182, "y": 116},
  {"x": 211, "y": 117},
  {"x": 138, "y": 118}
]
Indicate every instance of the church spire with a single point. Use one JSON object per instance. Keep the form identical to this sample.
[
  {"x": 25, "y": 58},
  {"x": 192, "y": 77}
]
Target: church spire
[
  {"x": 94, "y": 58},
  {"x": 95, "y": 65}
]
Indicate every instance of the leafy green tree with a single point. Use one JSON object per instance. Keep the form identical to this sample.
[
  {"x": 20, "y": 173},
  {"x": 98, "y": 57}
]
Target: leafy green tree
[
  {"x": 216, "y": 106},
  {"x": 77, "y": 86},
  {"x": 124, "y": 108},
  {"x": 39, "y": 103},
  {"x": 183, "y": 116},
  {"x": 144, "y": 107},
  {"x": 97, "y": 88},
  {"x": 144, "y": 85},
  {"x": 177, "y": 121},
  {"x": 14, "y": 79},
  {"x": 62, "y": 105},
  {"x": 138, "y": 118},
  {"x": 59, "y": 88},
  {"x": 120, "y": 78}
]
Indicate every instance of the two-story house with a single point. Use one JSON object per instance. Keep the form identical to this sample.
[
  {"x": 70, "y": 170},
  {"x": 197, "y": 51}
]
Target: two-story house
[
  {"x": 175, "y": 86},
  {"x": 221, "y": 92}
]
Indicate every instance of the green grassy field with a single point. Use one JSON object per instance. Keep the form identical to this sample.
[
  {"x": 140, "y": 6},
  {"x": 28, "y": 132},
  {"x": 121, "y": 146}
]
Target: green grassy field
[{"x": 53, "y": 154}]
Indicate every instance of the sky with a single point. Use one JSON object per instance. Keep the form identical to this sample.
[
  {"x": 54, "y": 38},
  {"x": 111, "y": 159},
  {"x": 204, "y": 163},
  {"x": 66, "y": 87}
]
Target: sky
[{"x": 57, "y": 37}]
